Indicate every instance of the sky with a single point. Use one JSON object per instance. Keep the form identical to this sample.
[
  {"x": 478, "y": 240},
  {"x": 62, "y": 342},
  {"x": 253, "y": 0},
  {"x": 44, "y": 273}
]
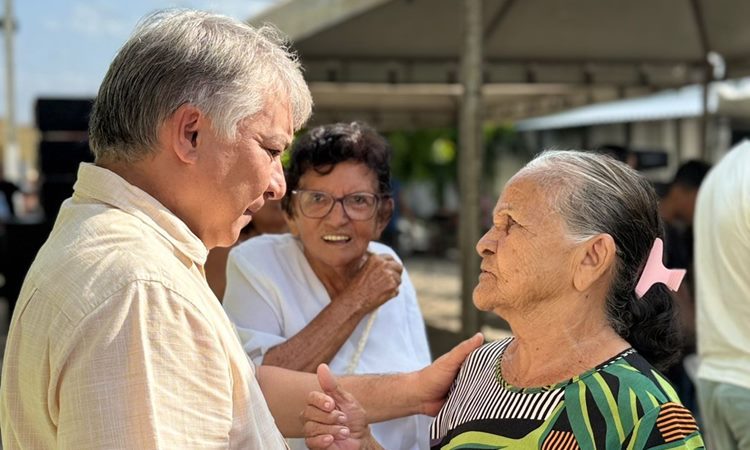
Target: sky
[{"x": 63, "y": 47}]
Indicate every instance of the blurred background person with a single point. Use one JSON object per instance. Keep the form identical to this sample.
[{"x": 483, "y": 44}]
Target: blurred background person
[
  {"x": 7, "y": 214},
  {"x": 391, "y": 234},
  {"x": 268, "y": 220},
  {"x": 677, "y": 208},
  {"x": 722, "y": 258},
  {"x": 326, "y": 292},
  {"x": 7, "y": 191},
  {"x": 620, "y": 153}
]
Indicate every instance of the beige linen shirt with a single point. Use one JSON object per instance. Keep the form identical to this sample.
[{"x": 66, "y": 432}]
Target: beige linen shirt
[{"x": 118, "y": 342}]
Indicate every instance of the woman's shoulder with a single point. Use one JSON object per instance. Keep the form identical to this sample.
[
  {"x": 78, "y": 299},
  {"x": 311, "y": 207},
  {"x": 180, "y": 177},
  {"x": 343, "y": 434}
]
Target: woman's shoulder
[
  {"x": 488, "y": 352},
  {"x": 634, "y": 373},
  {"x": 264, "y": 248}
]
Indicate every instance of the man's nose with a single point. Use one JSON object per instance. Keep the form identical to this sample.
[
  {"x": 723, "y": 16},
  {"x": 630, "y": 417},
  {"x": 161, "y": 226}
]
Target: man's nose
[{"x": 277, "y": 187}]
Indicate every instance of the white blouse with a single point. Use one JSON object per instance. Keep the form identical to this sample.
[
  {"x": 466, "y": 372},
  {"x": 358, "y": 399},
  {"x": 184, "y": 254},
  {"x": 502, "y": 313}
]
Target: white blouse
[{"x": 272, "y": 294}]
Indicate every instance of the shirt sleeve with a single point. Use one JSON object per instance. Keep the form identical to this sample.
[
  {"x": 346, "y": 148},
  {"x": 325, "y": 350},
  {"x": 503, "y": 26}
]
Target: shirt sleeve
[
  {"x": 669, "y": 426},
  {"x": 250, "y": 306},
  {"x": 145, "y": 370}
]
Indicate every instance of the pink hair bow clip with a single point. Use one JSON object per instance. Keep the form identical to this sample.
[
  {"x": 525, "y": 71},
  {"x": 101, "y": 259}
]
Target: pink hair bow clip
[{"x": 655, "y": 272}]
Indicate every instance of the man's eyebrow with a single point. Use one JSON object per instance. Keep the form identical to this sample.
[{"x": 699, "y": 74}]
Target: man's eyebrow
[
  {"x": 278, "y": 140},
  {"x": 282, "y": 140}
]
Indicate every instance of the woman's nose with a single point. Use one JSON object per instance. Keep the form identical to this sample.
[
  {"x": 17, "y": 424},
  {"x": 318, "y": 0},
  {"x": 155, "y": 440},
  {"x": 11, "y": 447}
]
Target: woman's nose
[
  {"x": 487, "y": 244},
  {"x": 338, "y": 213}
]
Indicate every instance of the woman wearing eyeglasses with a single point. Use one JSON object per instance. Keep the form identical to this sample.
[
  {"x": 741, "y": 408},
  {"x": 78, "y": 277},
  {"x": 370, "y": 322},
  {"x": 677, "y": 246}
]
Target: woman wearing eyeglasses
[{"x": 326, "y": 292}]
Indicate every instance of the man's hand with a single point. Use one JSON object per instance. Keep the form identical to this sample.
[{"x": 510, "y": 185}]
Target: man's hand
[
  {"x": 334, "y": 420},
  {"x": 384, "y": 396},
  {"x": 434, "y": 381}
]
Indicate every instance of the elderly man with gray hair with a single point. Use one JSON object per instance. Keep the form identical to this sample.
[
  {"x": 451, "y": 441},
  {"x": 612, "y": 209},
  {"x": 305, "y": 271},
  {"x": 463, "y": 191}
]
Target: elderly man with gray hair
[{"x": 117, "y": 340}]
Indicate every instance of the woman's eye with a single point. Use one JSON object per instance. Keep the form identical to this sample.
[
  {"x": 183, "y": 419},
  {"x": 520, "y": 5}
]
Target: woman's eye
[
  {"x": 509, "y": 223},
  {"x": 318, "y": 198},
  {"x": 358, "y": 199}
]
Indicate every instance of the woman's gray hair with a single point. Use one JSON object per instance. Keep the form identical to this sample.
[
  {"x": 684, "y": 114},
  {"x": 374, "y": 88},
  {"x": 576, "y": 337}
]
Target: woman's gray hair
[
  {"x": 226, "y": 68},
  {"x": 591, "y": 191},
  {"x": 596, "y": 194}
]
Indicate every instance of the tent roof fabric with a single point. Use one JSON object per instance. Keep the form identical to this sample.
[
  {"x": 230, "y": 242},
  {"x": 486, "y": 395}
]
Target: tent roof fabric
[
  {"x": 728, "y": 98},
  {"x": 601, "y": 41},
  {"x": 672, "y": 104}
]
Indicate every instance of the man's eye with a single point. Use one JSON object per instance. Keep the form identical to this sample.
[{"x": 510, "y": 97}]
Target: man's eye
[{"x": 273, "y": 152}]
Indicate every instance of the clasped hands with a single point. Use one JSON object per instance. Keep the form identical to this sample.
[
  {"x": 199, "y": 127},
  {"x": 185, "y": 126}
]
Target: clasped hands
[{"x": 335, "y": 420}]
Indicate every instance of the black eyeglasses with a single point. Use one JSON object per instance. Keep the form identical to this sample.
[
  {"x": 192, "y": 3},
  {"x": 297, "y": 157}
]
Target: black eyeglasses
[{"x": 357, "y": 206}]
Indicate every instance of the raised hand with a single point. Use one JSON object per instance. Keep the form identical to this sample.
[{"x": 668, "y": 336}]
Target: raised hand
[
  {"x": 377, "y": 282},
  {"x": 334, "y": 420}
]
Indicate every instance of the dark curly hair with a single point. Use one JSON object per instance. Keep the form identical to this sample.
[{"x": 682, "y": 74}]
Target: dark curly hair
[
  {"x": 596, "y": 194},
  {"x": 321, "y": 148}
]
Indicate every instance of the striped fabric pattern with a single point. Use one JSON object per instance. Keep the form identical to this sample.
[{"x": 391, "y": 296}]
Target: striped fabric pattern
[
  {"x": 560, "y": 440},
  {"x": 474, "y": 383},
  {"x": 675, "y": 422},
  {"x": 623, "y": 403}
]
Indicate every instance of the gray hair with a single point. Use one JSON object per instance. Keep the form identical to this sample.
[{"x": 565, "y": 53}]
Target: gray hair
[
  {"x": 595, "y": 194},
  {"x": 222, "y": 66}
]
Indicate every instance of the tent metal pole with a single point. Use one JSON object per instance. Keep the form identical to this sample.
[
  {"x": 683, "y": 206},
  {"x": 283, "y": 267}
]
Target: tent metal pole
[
  {"x": 470, "y": 156},
  {"x": 11, "y": 157},
  {"x": 704, "y": 123}
]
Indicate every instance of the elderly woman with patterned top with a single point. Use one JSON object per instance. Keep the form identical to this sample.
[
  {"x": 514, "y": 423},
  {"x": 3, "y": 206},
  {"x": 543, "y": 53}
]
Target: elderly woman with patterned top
[
  {"x": 573, "y": 263},
  {"x": 326, "y": 292}
]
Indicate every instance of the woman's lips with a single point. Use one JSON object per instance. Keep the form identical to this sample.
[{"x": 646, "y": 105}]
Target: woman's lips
[{"x": 336, "y": 238}]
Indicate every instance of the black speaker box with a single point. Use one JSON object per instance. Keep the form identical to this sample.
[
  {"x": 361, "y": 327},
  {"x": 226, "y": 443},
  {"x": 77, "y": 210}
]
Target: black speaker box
[
  {"x": 61, "y": 157},
  {"x": 58, "y": 114},
  {"x": 55, "y": 190},
  {"x": 23, "y": 241}
]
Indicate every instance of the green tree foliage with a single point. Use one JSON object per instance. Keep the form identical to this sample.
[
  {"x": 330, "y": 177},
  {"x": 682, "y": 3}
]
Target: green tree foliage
[{"x": 433, "y": 154}]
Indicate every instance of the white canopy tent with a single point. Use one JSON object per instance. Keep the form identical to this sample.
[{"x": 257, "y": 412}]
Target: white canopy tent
[
  {"x": 624, "y": 42},
  {"x": 589, "y": 45}
]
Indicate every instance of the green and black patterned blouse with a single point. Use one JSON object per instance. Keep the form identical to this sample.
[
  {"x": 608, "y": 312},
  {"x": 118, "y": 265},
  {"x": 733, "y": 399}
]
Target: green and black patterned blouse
[{"x": 622, "y": 404}]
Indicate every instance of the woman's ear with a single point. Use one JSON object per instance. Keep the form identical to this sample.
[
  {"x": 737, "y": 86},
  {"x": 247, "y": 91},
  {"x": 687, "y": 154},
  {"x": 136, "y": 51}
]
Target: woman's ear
[
  {"x": 383, "y": 216},
  {"x": 292, "y": 224},
  {"x": 594, "y": 260}
]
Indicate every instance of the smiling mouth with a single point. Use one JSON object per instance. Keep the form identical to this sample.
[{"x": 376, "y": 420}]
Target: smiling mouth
[{"x": 336, "y": 238}]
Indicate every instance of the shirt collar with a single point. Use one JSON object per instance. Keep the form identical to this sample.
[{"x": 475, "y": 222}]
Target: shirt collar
[{"x": 107, "y": 187}]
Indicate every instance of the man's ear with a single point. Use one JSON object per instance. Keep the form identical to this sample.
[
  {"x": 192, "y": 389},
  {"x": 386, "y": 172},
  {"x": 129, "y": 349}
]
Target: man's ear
[
  {"x": 594, "y": 259},
  {"x": 185, "y": 128}
]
